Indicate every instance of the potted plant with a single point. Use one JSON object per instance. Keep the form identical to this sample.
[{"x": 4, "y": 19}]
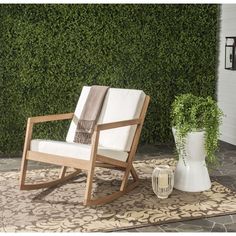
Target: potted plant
[{"x": 195, "y": 122}]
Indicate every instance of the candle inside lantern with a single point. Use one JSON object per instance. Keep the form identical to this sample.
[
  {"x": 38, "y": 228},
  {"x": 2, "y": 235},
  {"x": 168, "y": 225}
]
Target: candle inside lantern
[{"x": 163, "y": 180}]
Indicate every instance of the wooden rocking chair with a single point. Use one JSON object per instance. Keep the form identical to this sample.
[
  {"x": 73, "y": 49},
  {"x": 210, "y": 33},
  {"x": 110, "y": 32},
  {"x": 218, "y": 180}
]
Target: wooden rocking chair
[{"x": 114, "y": 142}]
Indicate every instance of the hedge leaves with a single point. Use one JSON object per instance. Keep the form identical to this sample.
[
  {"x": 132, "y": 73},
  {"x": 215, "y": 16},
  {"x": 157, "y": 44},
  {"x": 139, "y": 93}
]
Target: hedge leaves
[{"x": 48, "y": 52}]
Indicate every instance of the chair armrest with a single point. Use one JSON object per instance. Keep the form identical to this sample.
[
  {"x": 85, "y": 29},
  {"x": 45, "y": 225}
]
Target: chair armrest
[
  {"x": 117, "y": 124},
  {"x": 40, "y": 119}
]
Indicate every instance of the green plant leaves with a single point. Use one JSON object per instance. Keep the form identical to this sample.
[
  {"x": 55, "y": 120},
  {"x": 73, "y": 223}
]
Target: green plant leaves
[
  {"x": 48, "y": 52},
  {"x": 193, "y": 113}
]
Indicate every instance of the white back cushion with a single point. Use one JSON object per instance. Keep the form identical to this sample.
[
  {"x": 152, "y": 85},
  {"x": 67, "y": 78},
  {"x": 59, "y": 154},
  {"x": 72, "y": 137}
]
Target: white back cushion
[{"x": 119, "y": 104}]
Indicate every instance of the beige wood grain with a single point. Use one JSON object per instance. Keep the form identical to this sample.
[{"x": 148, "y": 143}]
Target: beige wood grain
[
  {"x": 24, "y": 162},
  {"x": 58, "y": 160},
  {"x": 88, "y": 190},
  {"x": 28, "y": 137},
  {"x": 135, "y": 144},
  {"x": 89, "y": 165},
  {"x": 63, "y": 172},
  {"x": 40, "y": 119},
  {"x": 111, "y": 161},
  {"x": 109, "y": 166},
  {"x": 50, "y": 183},
  {"x": 117, "y": 124},
  {"x": 134, "y": 174},
  {"x": 111, "y": 197}
]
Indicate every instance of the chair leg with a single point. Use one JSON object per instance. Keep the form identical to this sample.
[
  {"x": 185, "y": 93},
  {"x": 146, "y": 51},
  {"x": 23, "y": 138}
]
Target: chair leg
[
  {"x": 111, "y": 197},
  {"x": 63, "y": 172},
  {"x": 24, "y": 162},
  {"x": 126, "y": 177},
  {"x": 89, "y": 185},
  {"x": 134, "y": 174},
  {"x": 24, "y": 165},
  {"x": 51, "y": 183},
  {"x": 63, "y": 178}
]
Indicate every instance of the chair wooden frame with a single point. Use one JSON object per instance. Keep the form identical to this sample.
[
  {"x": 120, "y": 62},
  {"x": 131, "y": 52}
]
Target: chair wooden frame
[{"x": 88, "y": 165}]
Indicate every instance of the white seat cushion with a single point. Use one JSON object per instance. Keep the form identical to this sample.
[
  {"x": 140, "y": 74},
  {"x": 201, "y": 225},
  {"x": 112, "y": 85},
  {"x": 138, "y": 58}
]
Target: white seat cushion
[
  {"x": 74, "y": 150},
  {"x": 119, "y": 104}
]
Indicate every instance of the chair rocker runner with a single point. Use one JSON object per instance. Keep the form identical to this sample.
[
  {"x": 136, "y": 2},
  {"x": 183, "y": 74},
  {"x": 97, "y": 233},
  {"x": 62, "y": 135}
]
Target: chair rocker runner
[{"x": 114, "y": 143}]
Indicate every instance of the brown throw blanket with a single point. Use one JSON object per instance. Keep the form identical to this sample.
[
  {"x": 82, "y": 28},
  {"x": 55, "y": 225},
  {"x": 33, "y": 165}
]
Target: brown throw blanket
[{"x": 90, "y": 114}]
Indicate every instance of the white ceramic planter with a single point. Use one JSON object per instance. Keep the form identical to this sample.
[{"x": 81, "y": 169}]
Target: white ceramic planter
[{"x": 191, "y": 174}]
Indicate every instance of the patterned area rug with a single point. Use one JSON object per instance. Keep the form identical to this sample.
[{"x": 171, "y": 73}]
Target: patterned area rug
[{"x": 60, "y": 209}]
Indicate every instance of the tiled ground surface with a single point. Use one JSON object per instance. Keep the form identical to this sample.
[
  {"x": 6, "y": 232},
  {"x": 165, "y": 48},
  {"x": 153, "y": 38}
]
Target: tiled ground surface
[{"x": 225, "y": 174}]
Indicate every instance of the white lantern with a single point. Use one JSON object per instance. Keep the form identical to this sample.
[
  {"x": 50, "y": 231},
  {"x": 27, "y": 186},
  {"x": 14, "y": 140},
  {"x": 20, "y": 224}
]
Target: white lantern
[{"x": 162, "y": 181}]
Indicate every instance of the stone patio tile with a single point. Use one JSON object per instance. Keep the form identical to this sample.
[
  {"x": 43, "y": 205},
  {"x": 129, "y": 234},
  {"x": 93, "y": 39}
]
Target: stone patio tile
[
  {"x": 126, "y": 231},
  {"x": 150, "y": 229},
  {"x": 157, "y": 149},
  {"x": 231, "y": 172},
  {"x": 231, "y": 227},
  {"x": 228, "y": 154},
  {"x": 201, "y": 222},
  {"x": 221, "y": 219},
  {"x": 219, "y": 228},
  {"x": 172, "y": 225},
  {"x": 233, "y": 218},
  {"x": 189, "y": 228},
  {"x": 13, "y": 164},
  {"x": 166, "y": 229}
]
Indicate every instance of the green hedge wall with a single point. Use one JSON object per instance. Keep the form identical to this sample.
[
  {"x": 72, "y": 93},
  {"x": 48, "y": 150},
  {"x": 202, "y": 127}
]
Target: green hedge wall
[{"x": 48, "y": 52}]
